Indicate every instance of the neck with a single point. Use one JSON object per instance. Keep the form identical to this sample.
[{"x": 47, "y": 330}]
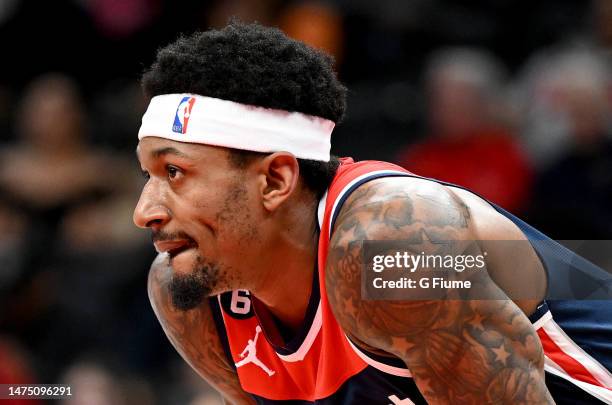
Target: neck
[{"x": 286, "y": 284}]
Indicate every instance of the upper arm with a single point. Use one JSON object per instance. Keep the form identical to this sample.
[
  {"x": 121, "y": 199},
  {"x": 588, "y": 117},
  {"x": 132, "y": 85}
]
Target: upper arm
[
  {"x": 194, "y": 335},
  {"x": 459, "y": 351}
]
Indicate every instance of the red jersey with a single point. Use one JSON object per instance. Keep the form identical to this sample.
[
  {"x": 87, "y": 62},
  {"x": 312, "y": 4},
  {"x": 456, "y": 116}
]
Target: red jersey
[{"x": 321, "y": 365}]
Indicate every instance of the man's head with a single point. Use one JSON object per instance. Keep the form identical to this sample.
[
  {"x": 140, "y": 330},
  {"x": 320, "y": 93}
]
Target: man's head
[
  {"x": 214, "y": 209},
  {"x": 463, "y": 88},
  {"x": 51, "y": 115}
]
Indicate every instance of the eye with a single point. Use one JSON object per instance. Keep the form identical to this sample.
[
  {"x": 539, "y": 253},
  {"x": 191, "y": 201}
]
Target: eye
[
  {"x": 173, "y": 171},
  {"x": 145, "y": 174}
]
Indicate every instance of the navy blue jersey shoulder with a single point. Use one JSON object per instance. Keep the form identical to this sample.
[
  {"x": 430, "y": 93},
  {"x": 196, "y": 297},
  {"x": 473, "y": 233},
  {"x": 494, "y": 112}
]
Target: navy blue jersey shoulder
[
  {"x": 570, "y": 276},
  {"x": 579, "y": 293}
]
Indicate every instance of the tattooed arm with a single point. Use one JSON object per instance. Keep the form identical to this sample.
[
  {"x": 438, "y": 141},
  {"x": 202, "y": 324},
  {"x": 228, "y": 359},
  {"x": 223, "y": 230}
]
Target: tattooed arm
[
  {"x": 458, "y": 351},
  {"x": 194, "y": 335}
]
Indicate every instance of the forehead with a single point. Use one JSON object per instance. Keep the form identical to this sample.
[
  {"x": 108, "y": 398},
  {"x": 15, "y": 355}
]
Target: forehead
[{"x": 153, "y": 148}]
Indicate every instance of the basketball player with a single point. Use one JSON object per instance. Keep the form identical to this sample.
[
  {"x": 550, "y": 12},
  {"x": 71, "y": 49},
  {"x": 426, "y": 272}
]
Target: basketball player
[{"x": 260, "y": 233}]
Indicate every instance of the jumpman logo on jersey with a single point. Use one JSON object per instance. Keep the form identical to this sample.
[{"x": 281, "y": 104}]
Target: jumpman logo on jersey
[
  {"x": 397, "y": 401},
  {"x": 251, "y": 354}
]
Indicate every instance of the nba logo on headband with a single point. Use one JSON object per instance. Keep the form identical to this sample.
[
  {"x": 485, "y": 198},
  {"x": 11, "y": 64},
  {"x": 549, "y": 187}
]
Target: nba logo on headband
[{"x": 181, "y": 118}]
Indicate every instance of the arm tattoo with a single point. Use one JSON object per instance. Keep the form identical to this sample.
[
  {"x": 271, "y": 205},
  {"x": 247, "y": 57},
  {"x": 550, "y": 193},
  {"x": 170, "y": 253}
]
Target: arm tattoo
[
  {"x": 459, "y": 351},
  {"x": 194, "y": 335}
]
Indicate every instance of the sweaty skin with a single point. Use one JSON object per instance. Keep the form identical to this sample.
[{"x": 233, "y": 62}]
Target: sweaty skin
[{"x": 469, "y": 352}]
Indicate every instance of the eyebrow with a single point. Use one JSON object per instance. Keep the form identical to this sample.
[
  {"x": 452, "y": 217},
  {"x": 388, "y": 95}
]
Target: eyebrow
[{"x": 168, "y": 151}]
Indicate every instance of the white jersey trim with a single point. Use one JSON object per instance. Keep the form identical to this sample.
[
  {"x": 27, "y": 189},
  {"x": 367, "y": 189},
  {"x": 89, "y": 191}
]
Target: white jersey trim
[
  {"x": 321, "y": 210},
  {"x": 385, "y": 368},
  {"x": 569, "y": 347},
  {"x": 601, "y": 393},
  {"x": 300, "y": 353},
  {"x": 543, "y": 319}
]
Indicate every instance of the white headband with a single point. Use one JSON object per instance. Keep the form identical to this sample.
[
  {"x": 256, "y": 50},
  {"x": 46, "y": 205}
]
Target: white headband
[{"x": 211, "y": 121}]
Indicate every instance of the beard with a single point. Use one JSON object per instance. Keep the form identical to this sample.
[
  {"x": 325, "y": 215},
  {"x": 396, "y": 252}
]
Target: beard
[{"x": 188, "y": 291}]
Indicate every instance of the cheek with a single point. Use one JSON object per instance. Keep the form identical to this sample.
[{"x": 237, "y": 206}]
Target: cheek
[
  {"x": 201, "y": 209},
  {"x": 198, "y": 221},
  {"x": 240, "y": 224},
  {"x": 222, "y": 219},
  {"x": 237, "y": 213}
]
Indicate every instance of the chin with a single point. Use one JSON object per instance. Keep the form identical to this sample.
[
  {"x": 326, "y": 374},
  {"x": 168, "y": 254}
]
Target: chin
[
  {"x": 194, "y": 279},
  {"x": 186, "y": 262}
]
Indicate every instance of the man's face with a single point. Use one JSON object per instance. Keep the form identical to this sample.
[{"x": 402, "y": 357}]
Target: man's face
[{"x": 197, "y": 205}]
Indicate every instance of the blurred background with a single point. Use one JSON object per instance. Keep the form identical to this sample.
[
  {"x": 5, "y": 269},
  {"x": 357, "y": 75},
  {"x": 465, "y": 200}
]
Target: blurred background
[{"x": 511, "y": 99}]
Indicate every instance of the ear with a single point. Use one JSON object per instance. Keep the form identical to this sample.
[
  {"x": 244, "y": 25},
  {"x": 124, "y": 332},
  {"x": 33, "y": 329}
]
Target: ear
[{"x": 279, "y": 174}]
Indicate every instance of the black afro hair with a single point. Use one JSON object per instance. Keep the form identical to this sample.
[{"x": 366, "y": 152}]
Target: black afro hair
[
  {"x": 249, "y": 64},
  {"x": 256, "y": 65}
]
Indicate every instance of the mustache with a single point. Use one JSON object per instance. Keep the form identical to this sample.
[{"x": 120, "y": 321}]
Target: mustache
[{"x": 159, "y": 236}]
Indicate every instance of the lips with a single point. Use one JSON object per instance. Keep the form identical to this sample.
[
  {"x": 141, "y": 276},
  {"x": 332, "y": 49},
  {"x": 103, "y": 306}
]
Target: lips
[{"x": 173, "y": 247}]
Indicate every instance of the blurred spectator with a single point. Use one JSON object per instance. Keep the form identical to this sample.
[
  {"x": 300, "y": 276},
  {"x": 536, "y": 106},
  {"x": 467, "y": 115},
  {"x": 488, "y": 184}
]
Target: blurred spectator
[
  {"x": 469, "y": 143},
  {"x": 189, "y": 388},
  {"x": 119, "y": 19},
  {"x": 116, "y": 113},
  {"x": 52, "y": 165},
  {"x": 317, "y": 24},
  {"x": 11, "y": 246},
  {"x": 94, "y": 381},
  {"x": 62, "y": 201},
  {"x": 245, "y": 10},
  {"x": 573, "y": 195},
  {"x": 5, "y": 112},
  {"x": 92, "y": 384},
  {"x": 72, "y": 266},
  {"x": 46, "y": 173},
  {"x": 602, "y": 10},
  {"x": 207, "y": 399},
  {"x": 15, "y": 369},
  {"x": 547, "y": 95}
]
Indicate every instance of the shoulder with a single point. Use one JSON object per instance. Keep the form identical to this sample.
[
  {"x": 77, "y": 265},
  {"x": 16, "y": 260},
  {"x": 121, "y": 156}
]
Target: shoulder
[
  {"x": 415, "y": 201},
  {"x": 442, "y": 335},
  {"x": 394, "y": 206},
  {"x": 401, "y": 208},
  {"x": 428, "y": 218}
]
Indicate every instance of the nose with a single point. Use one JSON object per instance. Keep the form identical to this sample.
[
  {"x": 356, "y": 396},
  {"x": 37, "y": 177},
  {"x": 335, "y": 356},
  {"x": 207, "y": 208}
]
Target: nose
[{"x": 150, "y": 212}]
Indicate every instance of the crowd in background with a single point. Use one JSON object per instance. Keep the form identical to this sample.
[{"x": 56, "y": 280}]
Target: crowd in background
[{"x": 512, "y": 101}]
